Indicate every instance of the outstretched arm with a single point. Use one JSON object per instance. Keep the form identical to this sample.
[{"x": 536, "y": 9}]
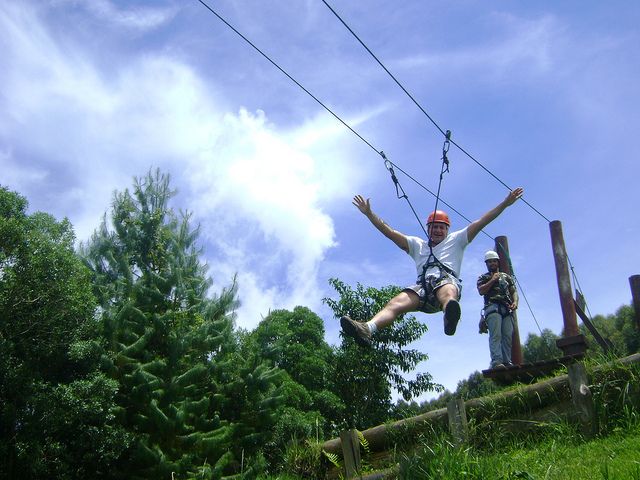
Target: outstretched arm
[
  {"x": 396, "y": 237},
  {"x": 475, "y": 227}
]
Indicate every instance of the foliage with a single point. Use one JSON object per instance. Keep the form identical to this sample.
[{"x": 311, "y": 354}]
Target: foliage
[
  {"x": 620, "y": 329},
  {"x": 305, "y": 460},
  {"x": 294, "y": 342},
  {"x": 616, "y": 394},
  {"x": 195, "y": 405},
  {"x": 365, "y": 377},
  {"x": 70, "y": 430},
  {"x": 56, "y": 411},
  {"x": 403, "y": 409},
  {"x": 475, "y": 386},
  {"x": 541, "y": 347}
]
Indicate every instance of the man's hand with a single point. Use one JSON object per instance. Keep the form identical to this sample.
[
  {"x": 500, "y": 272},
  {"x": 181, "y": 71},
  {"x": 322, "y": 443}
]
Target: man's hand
[
  {"x": 483, "y": 326},
  {"x": 475, "y": 227},
  {"x": 514, "y": 195},
  {"x": 363, "y": 205},
  {"x": 513, "y": 306},
  {"x": 396, "y": 237}
]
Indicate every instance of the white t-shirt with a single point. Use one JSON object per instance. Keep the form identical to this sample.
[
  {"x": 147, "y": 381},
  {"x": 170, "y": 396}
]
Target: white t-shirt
[{"x": 449, "y": 252}]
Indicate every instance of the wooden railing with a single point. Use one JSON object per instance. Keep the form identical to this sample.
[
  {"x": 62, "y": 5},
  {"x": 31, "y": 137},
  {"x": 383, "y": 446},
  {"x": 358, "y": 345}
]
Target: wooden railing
[{"x": 565, "y": 397}]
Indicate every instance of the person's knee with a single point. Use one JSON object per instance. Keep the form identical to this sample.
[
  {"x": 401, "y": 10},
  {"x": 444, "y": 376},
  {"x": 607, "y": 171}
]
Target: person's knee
[
  {"x": 447, "y": 292},
  {"x": 401, "y": 303}
]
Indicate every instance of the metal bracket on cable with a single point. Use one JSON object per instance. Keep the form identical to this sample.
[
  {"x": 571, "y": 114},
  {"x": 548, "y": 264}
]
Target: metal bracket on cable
[
  {"x": 445, "y": 150},
  {"x": 389, "y": 166}
]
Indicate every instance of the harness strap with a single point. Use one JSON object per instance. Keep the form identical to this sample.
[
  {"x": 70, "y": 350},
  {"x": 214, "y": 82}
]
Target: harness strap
[{"x": 437, "y": 263}]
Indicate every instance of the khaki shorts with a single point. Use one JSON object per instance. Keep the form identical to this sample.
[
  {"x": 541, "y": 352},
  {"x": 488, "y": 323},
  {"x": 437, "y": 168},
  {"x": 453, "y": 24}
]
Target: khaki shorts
[{"x": 428, "y": 300}]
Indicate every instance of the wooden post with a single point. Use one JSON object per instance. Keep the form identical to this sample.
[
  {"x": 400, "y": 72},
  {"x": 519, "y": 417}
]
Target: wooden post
[
  {"x": 458, "y": 421},
  {"x": 634, "y": 281},
  {"x": 350, "y": 452},
  {"x": 580, "y": 305},
  {"x": 572, "y": 343},
  {"x": 582, "y": 399},
  {"x": 502, "y": 247}
]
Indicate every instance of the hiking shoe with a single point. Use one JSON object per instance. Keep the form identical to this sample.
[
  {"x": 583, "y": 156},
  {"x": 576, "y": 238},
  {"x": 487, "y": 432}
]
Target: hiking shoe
[
  {"x": 358, "y": 331},
  {"x": 451, "y": 317},
  {"x": 499, "y": 366}
]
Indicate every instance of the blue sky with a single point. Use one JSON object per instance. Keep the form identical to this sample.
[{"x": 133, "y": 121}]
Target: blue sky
[{"x": 544, "y": 94}]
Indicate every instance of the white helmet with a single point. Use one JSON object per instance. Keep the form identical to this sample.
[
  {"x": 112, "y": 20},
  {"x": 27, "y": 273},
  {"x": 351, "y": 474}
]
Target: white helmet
[{"x": 491, "y": 255}]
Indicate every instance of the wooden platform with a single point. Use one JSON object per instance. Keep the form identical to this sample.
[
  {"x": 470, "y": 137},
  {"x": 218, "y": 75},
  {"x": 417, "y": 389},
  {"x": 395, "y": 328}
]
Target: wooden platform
[{"x": 528, "y": 372}]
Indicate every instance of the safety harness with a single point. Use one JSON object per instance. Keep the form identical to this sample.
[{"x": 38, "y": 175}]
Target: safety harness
[
  {"x": 430, "y": 283},
  {"x": 500, "y": 306}
]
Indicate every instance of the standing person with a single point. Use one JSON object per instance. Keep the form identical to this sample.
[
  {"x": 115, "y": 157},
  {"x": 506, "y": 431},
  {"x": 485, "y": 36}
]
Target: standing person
[
  {"x": 438, "y": 261},
  {"x": 500, "y": 301}
]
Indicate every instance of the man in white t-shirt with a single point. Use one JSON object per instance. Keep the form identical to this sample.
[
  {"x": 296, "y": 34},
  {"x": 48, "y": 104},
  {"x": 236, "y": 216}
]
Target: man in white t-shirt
[{"x": 438, "y": 263}]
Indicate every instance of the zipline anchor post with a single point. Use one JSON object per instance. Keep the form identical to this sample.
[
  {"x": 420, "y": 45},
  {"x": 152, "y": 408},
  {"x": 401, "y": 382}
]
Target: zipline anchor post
[
  {"x": 502, "y": 247},
  {"x": 634, "y": 282},
  {"x": 572, "y": 343}
]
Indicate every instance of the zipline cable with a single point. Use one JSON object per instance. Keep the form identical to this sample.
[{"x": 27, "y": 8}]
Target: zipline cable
[
  {"x": 435, "y": 124},
  {"x": 335, "y": 115},
  {"x": 446, "y": 134},
  {"x": 287, "y": 75},
  {"x": 388, "y": 163},
  {"x": 579, "y": 288},
  {"x": 385, "y": 68},
  {"x": 515, "y": 277}
]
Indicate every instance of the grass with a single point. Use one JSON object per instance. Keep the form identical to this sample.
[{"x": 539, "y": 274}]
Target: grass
[
  {"x": 552, "y": 450},
  {"x": 616, "y": 457}
]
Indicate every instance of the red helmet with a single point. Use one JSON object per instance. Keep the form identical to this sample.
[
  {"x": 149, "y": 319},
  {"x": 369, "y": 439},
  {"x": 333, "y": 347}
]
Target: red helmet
[{"x": 438, "y": 217}]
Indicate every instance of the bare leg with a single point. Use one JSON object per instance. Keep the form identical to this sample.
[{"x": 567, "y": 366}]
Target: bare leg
[
  {"x": 445, "y": 293},
  {"x": 404, "y": 302}
]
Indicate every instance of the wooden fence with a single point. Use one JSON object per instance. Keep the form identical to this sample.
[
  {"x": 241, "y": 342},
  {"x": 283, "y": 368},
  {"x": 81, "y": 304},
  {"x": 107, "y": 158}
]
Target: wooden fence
[{"x": 565, "y": 397}]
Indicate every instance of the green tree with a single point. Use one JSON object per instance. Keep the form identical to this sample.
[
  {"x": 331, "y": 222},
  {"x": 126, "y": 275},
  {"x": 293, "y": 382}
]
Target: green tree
[
  {"x": 365, "y": 378},
  {"x": 475, "y": 386},
  {"x": 541, "y": 347},
  {"x": 56, "y": 410},
  {"x": 619, "y": 328},
  {"x": 194, "y": 404},
  {"x": 294, "y": 342}
]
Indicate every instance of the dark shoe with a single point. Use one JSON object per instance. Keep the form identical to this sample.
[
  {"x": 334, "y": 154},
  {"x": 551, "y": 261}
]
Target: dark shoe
[
  {"x": 358, "y": 331},
  {"x": 451, "y": 317}
]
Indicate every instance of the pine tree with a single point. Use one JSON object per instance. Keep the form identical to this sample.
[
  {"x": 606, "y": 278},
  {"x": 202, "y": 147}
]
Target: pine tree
[{"x": 172, "y": 348}]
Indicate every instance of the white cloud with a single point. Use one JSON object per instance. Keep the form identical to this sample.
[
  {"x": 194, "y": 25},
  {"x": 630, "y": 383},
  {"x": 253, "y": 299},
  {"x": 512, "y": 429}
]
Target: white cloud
[
  {"x": 258, "y": 192},
  {"x": 526, "y": 45},
  {"x": 259, "y": 203},
  {"x": 135, "y": 18}
]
